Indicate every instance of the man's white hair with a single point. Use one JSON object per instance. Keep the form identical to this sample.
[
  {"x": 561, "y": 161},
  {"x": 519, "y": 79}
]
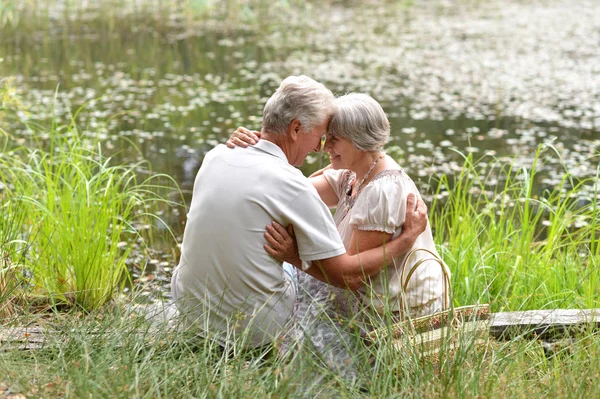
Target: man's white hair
[
  {"x": 360, "y": 119},
  {"x": 298, "y": 97}
]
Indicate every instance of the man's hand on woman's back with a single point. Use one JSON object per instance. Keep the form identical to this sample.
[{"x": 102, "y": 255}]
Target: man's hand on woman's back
[{"x": 416, "y": 216}]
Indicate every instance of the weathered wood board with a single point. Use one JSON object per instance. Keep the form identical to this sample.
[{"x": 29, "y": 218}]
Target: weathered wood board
[
  {"x": 544, "y": 324},
  {"x": 471, "y": 325},
  {"x": 24, "y": 338}
]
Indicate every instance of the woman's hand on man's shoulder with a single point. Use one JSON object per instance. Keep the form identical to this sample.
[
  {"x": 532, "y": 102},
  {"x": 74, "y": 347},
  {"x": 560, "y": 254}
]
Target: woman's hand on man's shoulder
[{"x": 243, "y": 137}]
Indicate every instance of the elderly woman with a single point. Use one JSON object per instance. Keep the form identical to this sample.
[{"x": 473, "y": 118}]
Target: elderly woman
[{"x": 368, "y": 190}]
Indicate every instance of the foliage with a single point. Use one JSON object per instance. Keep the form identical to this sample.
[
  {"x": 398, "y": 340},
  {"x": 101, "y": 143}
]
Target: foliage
[
  {"x": 12, "y": 251},
  {"x": 516, "y": 250},
  {"x": 76, "y": 210},
  {"x": 67, "y": 214},
  {"x": 12, "y": 248},
  {"x": 30, "y": 16}
]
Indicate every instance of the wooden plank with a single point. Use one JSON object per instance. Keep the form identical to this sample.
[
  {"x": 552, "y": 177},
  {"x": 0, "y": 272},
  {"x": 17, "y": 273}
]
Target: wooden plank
[
  {"x": 545, "y": 324},
  {"x": 469, "y": 325},
  {"x": 23, "y": 338},
  {"x": 429, "y": 332}
]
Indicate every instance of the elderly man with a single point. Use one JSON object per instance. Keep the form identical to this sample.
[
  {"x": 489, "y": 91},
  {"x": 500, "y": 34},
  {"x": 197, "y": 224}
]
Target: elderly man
[{"x": 226, "y": 284}]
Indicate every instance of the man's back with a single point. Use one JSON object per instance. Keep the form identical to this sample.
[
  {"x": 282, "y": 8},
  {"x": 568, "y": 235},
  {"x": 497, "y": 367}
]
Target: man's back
[{"x": 225, "y": 276}]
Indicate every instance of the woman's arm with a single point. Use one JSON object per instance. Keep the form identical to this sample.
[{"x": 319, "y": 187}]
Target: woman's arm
[
  {"x": 320, "y": 171},
  {"x": 326, "y": 192},
  {"x": 363, "y": 240},
  {"x": 243, "y": 137}
]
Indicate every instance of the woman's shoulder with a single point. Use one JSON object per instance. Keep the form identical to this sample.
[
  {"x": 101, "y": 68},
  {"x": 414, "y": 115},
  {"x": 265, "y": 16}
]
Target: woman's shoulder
[
  {"x": 379, "y": 206},
  {"x": 395, "y": 173},
  {"x": 391, "y": 178},
  {"x": 389, "y": 186}
]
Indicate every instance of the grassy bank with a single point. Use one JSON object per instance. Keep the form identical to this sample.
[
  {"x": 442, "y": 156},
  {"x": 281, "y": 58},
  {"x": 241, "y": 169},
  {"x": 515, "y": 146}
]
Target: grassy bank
[
  {"x": 114, "y": 354},
  {"x": 501, "y": 248}
]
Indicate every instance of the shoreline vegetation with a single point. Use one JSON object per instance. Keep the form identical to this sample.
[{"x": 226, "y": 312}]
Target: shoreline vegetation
[
  {"x": 70, "y": 217},
  {"x": 79, "y": 223}
]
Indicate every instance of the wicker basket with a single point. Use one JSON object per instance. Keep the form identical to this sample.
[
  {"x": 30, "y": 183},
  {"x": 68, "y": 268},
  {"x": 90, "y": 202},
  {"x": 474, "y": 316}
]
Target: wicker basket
[{"x": 438, "y": 330}]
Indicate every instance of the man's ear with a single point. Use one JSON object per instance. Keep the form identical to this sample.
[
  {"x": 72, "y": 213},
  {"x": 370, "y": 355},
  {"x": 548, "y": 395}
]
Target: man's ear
[{"x": 294, "y": 129}]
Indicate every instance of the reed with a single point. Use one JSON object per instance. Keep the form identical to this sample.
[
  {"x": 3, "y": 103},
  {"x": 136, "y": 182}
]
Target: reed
[
  {"x": 111, "y": 17},
  {"x": 505, "y": 244},
  {"x": 12, "y": 252},
  {"x": 78, "y": 212},
  {"x": 512, "y": 247}
]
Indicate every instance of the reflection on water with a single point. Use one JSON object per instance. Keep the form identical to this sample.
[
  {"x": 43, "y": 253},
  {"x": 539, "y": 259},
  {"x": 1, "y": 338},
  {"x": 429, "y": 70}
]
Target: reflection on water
[{"x": 451, "y": 78}]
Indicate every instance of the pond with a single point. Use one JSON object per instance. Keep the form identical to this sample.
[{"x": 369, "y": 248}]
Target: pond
[{"x": 494, "y": 78}]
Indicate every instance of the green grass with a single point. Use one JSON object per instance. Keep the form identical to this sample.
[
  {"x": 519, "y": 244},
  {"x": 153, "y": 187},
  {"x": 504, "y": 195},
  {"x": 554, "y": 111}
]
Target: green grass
[
  {"x": 76, "y": 211},
  {"x": 23, "y": 18},
  {"x": 115, "y": 354},
  {"x": 516, "y": 249},
  {"x": 12, "y": 252}
]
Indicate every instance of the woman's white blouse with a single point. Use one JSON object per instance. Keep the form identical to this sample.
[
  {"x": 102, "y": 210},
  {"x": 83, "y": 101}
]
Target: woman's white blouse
[{"x": 381, "y": 206}]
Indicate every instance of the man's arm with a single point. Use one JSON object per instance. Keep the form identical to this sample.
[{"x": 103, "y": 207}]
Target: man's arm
[{"x": 350, "y": 271}]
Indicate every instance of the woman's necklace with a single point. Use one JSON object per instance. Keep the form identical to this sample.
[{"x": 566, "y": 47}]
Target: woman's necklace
[{"x": 360, "y": 183}]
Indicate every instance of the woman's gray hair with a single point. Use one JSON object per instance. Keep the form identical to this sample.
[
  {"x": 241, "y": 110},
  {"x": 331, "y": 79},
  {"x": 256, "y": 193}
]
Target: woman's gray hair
[
  {"x": 298, "y": 97},
  {"x": 360, "y": 119}
]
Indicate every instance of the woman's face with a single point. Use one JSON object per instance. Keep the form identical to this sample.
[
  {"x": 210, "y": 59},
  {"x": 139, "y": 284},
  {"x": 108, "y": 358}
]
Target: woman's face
[{"x": 341, "y": 151}]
